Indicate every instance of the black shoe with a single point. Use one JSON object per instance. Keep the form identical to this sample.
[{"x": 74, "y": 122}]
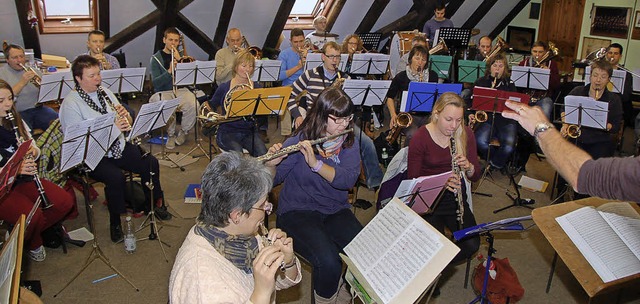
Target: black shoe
[
  {"x": 116, "y": 233},
  {"x": 162, "y": 213}
]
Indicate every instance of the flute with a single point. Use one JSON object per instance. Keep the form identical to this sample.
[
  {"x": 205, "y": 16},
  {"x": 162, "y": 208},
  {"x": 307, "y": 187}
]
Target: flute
[{"x": 294, "y": 148}]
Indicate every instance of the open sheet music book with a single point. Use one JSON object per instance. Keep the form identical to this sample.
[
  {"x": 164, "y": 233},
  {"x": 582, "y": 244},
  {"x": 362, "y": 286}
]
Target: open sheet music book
[
  {"x": 607, "y": 237},
  {"x": 397, "y": 256}
]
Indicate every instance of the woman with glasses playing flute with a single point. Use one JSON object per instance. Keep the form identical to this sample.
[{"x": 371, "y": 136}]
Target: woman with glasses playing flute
[
  {"x": 313, "y": 205},
  {"x": 24, "y": 192}
]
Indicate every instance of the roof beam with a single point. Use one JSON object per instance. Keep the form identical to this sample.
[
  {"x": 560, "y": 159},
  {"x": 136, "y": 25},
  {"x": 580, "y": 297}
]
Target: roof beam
[
  {"x": 103, "y": 17},
  {"x": 332, "y": 16},
  {"x": 29, "y": 34},
  {"x": 223, "y": 24},
  {"x": 508, "y": 18},
  {"x": 278, "y": 24},
  {"x": 196, "y": 35},
  {"x": 479, "y": 13},
  {"x": 452, "y": 8},
  {"x": 168, "y": 19},
  {"x": 372, "y": 15}
]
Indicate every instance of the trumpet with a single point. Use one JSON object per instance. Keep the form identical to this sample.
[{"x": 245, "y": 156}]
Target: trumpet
[
  {"x": 295, "y": 148},
  {"x": 113, "y": 107},
  {"x": 104, "y": 64},
  {"x": 36, "y": 80}
]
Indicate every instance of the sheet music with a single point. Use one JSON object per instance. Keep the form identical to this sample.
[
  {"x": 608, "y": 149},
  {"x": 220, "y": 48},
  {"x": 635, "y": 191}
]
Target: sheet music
[
  {"x": 124, "y": 80},
  {"x": 8, "y": 265},
  {"x": 594, "y": 113},
  {"x": 370, "y": 63},
  {"x": 149, "y": 119},
  {"x": 266, "y": 70},
  {"x": 315, "y": 59},
  {"x": 186, "y": 73},
  {"x": 407, "y": 186},
  {"x": 392, "y": 249},
  {"x": 626, "y": 227},
  {"x": 103, "y": 133},
  {"x": 356, "y": 89},
  {"x": 530, "y": 77},
  {"x": 55, "y": 86},
  {"x": 617, "y": 79},
  {"x": 599, "y": 244}
]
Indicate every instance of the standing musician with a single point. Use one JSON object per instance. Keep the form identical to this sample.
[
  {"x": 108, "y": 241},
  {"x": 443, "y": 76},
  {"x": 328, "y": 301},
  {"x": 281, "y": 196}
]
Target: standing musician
[
  {"x": 541, "y": 98},
  {"x": 314, "y": 81},
  {"x": 429, "y": 154},
  {"x": 351, "y": 45},
  {"x": 313, "y": 205},
  {"x": 26, "y": 93},
  {"x": 496, "y": 76},
  {"x": 319, "y": 37},
  {"x": 239, "y": 134},
  {"x": 24, "y": 192},
  {"x": 484, "y": 48},
  {"x": 404, "y": 60},
  {"x": 225, "y": 56},
  {"x": 438, "y": 21},
  {"x": 95, "y": 44},
  {"x": 416, "y": 71},
  {"x": 85, "y": 102},
  {"x": 614, "y": 53},
  {"x": 162, "y": 70}
]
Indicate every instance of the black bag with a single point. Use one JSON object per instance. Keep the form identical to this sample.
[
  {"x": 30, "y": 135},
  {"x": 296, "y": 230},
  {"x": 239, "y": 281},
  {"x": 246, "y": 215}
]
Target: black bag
[{"x": 134, "y": 197}]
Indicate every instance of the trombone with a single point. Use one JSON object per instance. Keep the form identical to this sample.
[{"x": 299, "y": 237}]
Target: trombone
[{"x": 36, "y": 80}]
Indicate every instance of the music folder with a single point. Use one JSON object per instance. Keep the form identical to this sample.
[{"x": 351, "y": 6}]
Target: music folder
[
  {"x": 490, "y": 100},
  {"x": 262, "y": 101},
  {"x": 11, "y": 167}
]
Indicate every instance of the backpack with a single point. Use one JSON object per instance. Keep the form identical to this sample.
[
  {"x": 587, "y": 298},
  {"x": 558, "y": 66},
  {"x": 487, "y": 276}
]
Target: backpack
[{"x": 50, "y": 143}]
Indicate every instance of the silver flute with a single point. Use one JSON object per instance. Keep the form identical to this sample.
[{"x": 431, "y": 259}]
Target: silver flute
[{"x": 294, "y": 148}]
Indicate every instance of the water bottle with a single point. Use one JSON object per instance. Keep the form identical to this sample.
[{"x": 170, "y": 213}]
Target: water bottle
[
  {"x": 385, "y": 156},
  {"x": 129, "y": 238}
]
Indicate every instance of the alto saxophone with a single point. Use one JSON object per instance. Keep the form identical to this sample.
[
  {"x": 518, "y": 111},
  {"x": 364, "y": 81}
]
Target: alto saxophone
[{"x": 456, "y": 170}]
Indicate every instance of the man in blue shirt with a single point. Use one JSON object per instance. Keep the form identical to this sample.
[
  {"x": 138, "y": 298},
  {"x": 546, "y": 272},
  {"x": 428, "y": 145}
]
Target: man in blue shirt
[
  {"x": 292, "y": 68},
  {"x": 438, "y": 21}
]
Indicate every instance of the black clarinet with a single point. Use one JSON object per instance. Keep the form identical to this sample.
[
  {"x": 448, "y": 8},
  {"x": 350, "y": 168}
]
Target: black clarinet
[{"x": 44, "y": 201}]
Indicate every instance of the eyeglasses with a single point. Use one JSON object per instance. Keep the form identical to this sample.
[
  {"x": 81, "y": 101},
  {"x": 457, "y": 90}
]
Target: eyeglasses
[
  {"x": 268, "y": 208},
  {"x": 333, "y": 57},
  {"x": 341, "y": 120}
]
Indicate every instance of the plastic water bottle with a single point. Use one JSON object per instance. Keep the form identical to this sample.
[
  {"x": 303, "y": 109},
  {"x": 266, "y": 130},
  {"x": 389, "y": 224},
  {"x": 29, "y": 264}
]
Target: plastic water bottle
[
  {"x": 129, "y": 238},
  {"x": 385, "y": 156}
]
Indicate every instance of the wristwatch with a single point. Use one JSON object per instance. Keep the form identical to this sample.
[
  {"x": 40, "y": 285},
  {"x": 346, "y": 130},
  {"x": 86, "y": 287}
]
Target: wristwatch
[{"x": 541, "y": 127}]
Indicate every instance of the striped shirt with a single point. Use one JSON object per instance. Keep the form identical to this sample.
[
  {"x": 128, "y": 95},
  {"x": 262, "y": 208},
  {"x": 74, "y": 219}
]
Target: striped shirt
[{"x": 313, "y": 81}]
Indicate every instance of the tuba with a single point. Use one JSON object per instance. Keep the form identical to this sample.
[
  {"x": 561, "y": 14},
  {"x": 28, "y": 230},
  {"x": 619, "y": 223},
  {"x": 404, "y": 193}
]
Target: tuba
[
  {"x": 500, "y": 46},
  {"x": 403, "y": 120},
  {"x": 441, "y": 47},
  {"x": 550, "y": 54}
]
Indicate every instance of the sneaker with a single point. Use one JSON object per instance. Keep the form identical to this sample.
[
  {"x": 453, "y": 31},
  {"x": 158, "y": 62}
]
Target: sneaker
[
  {"x": 171, "y": 143},
  {"x": 38, "y": 254},
  {"x": 180, "y": 139},
  {"x": 162, "y": 213},
  {"x": 116, "y": 233}
]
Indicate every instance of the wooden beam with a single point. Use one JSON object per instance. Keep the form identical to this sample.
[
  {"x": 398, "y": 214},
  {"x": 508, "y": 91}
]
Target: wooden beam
[
  {"x": 196, "y": 35},
  {"x": 452, "y": 8},
  {"x": 278, "y": 24},
  {"x": 334, "y": 13},
  {"x": 479, "y": 13},
  {"x": 169, "y": 10},
  {"x": 508, "y": 18},
  {"x": 400, "y": 24},
  {"x": 223, "y": 24},
  {"x": 103, "y": 18},
  {"x": 426, "y": 9},
  {"x": 372, "y": 16},
  {"x": 29, "y": 35}
]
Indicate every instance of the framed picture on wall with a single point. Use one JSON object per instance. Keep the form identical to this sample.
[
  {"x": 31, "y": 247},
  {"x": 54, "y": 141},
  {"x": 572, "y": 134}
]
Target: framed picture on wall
[
  {"x": 520, "y": 38},
  {"x": 635, "y": 34},
  {"x": 610, "y": 21},
  {"x": 590, "y": 45}
]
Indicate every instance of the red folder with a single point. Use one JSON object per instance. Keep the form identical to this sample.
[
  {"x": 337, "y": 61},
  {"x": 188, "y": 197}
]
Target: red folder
[
  {"x": 10, "y": 170},
  {"x": 485, "y": 99}
]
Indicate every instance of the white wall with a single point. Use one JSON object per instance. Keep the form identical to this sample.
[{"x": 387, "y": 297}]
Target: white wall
[{"x": 522, "y": 20}]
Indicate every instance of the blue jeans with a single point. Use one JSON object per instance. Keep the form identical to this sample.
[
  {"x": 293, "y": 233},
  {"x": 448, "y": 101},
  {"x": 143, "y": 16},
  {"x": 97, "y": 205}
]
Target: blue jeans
[
  {"x": 39, "y": 117},
  {"x": 319, "y": 238},
  {"x": 242, "y": 139},
  {"x": 505, "y": 133},
  {"x": 372, "y": 170}
]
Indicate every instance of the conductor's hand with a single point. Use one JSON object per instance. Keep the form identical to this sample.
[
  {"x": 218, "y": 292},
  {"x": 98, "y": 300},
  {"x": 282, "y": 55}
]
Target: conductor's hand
[
  {"x": 453, "y": 183},
  {"x": 28, "y": 167},
  {"x": 265, "y": 266},
  {"x": 274, "y": 162},
  {"x": 309, "y": 156},
  {"x": 298, "y": 121},
  {"x": 528, "y": 117}
]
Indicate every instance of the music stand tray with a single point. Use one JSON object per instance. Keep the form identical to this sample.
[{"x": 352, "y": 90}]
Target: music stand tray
[
  {"x": 586, "y": 111},
  {"x": 470, "y": 70},
  {"x": 370, "y": 63},
  {"x": 197, "y": 72},
  {"x": 266, "y": 70},
  {"x": 366, "y": 92},
  {"x": 441, "y": 64},
  {"x": 315, "y": 60}
]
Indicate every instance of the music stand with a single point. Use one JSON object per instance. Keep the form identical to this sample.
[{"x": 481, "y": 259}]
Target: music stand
[
  {"x": 370, "y": 41},
  {"x": 190, "y": 74},
  {"x": 530, "y": 78},
  {"x": 267, "y": 70},
  {"x": 441, "y": 64},
  {"x": 153, "y": 116},
  {"x": 425, "y": 190},
  {"x": 455, "y": 39},
  {"x": 54, "y": 86},
  {"x": 121, "y": 81},
  {"x": 422, "y": 95},
  {"x": 83, "y": 144},
  {"x": 470, "y": 70},
  {"x": 586, "y": 111},
  {"x": 617, "y": 79},
  {"x": 369, "y": 63},
  {"x": 315, "y": 60}
]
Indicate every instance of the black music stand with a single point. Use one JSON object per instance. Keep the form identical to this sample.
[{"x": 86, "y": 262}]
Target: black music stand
[
  {"x": 81, "y": 143},
  {"x": 370, "y": 41},
  {"x": 455, "y": 39}
]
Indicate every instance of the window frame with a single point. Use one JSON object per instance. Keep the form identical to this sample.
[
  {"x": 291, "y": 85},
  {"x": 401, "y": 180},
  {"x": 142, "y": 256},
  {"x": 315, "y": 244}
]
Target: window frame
[
  {"x": 305, "y": 21},
  {"x": 78, "y": 24}
]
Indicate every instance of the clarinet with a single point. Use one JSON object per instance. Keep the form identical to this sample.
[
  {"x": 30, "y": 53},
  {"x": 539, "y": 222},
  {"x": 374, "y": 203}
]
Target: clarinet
[
  {"x": 456, "y": 170},
  {"x": 44, "y": 201}
]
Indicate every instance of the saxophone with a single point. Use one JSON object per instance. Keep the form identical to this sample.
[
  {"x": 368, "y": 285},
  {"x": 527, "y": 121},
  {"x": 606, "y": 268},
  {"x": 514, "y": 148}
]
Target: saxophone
[{"x": 456, "y": 170}]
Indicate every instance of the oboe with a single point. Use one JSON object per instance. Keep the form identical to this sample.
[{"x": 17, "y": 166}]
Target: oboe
[
  {"x": 44, "y": 201},
  {"x": 456, "y": 170},
  {"x": 296, "y": 147}
]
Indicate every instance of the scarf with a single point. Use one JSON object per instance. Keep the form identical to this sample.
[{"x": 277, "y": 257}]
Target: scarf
[
  {"x": 331, "y": 148},
  {"x": 237, "y": 249},
  {"x": 416, "y": 76},
  {"x": 116, "y": 152}
]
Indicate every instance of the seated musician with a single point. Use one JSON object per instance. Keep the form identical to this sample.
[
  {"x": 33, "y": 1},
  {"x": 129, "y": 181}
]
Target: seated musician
[
  {"x": 24, "y": 192},
  {"x": 242, "y": 133},
  {"x": 404, "y": 60},
  {"x": 26, "y": 92},
  {"x": 95, "y": 44},
  {"x": 484, "y": 48},
  {"x": 223, "y": 259},
  {"x": 313, "y": 205},
  {"x": 496, "y": 76},
  {"x": 225, "y": 56},
  {"x": 162, "y": 72},
  {"x": 438, "y": 21},
  {"x": 352, "y": 44},
  {"x": 314, "y": 81},
  {"x": 416, "y": 71},
  {"x": 319, "y": 37},
  {"x": 614, "y": 53},
  {"x": 85, "y": 103},
  {"x": 430, "y": 154},
  {"x": 543, "y": 99}
]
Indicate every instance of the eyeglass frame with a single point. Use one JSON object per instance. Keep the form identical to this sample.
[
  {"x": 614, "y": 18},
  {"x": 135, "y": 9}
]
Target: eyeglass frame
[
  {"x": 268, "y": 208},
  {"x": 341, "y": 120}
]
